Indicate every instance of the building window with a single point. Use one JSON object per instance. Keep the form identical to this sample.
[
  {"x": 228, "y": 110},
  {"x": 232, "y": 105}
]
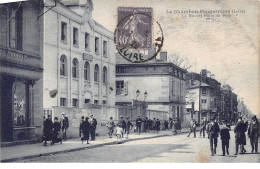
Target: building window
[
  {"x": 95, "y": 102},
  {"x": 16, "y": 27},
  {"x": 75, "y": 36},
  {"x": 87, "y": 41},
  {"x": 96, "y": 73},
  {"x": 96, "y": 45},
  {"x": 62, "y": 101},
  {"x": 19, "y": 103},
  {"x": 63, "y": 65},
  {"x": 87, "y": 71},
  {"x": 104, "y": 48},
  {"x": 120, "y": 87},
  {"x": 75, "y": 68},
  {"x": 203, "y": 101},
  {"x": 64, "y": 31},
  {"x": 204, "y": 91},
  {"x": 87, "y": 101},
  {"x": 74, "y": 102},
  {"x": 104, "y": 102},
  {"x": 104, "y": 74}
]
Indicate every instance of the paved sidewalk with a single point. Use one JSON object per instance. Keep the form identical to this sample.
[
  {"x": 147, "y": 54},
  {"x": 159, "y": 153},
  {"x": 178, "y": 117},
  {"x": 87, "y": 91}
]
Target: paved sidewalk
[{"x": 18, "y": 152}]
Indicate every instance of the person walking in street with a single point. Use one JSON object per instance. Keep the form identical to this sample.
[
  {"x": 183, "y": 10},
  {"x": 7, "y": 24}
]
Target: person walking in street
[
  {"x": 203, "y": 127},
  {"x": 150, "y": 125},
  {"x": 119, "y": 131},
  {"x": 225, "y": 137},
  {"x": 85, "y": 130},
  {"x": 154, "y": 124},
  {"x": 64, "y": 125},
  {"x": 129, "y": 126},
  {"x": 56, "y": 131},
  {"x": 146, "y": 125},
  {"x": 47, "y": 130},
  {"x": 171, "y": 122},
  {"x": 158, "y": 124},
  {"x": 240, "y": 137},
  {"x": 192, "y": 128},
  {"x": 123, "y": 125},
  {"x": 110, "y": 126},
  {"x": 80, "y": 125},
  {"x": 253, "y": 134},
  {"x": 213, "y": 130},
  {"x": 93, "y": 125},
  {"x": 138, "y": 124},
  {"x": 166, "y": 125}
]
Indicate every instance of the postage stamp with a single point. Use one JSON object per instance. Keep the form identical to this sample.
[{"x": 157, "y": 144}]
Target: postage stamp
[{"x": 134, "y": 34}]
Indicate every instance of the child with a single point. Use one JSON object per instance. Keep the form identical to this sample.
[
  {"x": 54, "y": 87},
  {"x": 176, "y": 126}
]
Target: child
[
  {"x": 119, "y": 131},
  {"x": 225, "y": 136}
]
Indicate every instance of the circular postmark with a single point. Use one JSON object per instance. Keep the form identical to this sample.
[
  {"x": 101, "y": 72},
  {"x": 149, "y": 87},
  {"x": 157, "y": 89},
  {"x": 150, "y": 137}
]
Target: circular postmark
[{"x": 138, "y": 36}]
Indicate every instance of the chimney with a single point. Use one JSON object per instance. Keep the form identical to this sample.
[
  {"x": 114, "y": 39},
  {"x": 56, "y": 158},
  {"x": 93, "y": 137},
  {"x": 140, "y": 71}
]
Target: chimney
[
  {"x": 151, "y": 52},
  {"x": 203, "y": 75},
  {"x": 163, "y": 55},
  {"x": 208, "y": 74},
  {"x": 212, "y": 76}
]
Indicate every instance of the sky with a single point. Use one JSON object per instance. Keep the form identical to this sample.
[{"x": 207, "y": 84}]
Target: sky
[{"x": 226, "y": 46}]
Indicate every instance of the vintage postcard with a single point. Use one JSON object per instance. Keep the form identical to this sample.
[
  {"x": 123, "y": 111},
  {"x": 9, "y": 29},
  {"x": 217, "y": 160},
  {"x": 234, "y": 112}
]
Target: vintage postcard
[{"x": 120, "y": 81}]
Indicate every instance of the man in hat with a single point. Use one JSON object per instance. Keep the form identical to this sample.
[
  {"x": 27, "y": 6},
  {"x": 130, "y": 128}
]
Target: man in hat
[
  {"x": 123, "y": 125},
  {"x": 64, "y": 125},
  {"x": 213, "y": 130},
  {"x": 138, "y": 124},
  {"x": 253, "y": 134},
  {"x": 240, "y": 137},
  {"x": 192, "y": 128},
  {"x": 47, "y": 130},
  {"x": 203, "y": 127},
  {"x": 56, "y": 131},
  {"x": 146, "y": 124},
  {"x": 225, "y": 137},
  {"x": 129, "y": 125},
  {"x": 93, "y": 125}
]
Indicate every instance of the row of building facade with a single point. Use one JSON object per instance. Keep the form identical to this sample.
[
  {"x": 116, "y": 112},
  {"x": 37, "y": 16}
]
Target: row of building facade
[{"x": 56, "y": 58}]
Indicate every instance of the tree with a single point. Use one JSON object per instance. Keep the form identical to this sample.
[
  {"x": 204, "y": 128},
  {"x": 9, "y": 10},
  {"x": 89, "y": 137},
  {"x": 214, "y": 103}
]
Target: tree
[{"x": 182, "y": 62}]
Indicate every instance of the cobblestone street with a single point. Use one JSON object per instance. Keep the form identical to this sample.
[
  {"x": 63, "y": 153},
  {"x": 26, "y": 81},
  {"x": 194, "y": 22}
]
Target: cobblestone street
[{"x": 164, "y": 149}]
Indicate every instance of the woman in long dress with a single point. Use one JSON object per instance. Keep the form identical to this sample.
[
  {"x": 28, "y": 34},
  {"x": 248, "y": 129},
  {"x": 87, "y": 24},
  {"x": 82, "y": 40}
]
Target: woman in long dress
[{"x": 85, "y": 130}]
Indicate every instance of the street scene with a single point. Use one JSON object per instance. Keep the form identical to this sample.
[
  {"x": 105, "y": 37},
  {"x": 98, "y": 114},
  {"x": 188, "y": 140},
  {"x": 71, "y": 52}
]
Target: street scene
[{"x": 169, "y": 83}]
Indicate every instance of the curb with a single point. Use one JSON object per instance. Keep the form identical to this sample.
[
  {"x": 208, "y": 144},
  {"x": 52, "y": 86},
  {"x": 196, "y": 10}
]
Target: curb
[{"x": 81, "y": 148}]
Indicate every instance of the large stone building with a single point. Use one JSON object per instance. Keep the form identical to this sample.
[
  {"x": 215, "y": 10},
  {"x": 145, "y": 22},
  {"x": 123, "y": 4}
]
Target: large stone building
[
  {"x": 79, "y": 64},
  {"x": 203, "y": 92},
  {"x": 21, "y": 66},
  {"x": 161, "y": 85}
]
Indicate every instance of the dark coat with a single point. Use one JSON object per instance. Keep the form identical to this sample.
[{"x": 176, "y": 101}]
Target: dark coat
[
  {"x": 240, "y": 130},
  {"x": 65, "y": 123},
  {"x": 56, "y": 127},
  {"x": 85, "y": 130},
  {"x": 253, "y": 131},
  {"x": 128, "y": 125},
  {"x": 138, "y": 122},
  {"x": 93, "y": 124},
  {"x": 213, "y": 130},
  {"x": 47, "y": 130},
  {"x": 158, "y": 123},
  {"x": 123, "y": 123},
  {"x": 224, "y": 133}
]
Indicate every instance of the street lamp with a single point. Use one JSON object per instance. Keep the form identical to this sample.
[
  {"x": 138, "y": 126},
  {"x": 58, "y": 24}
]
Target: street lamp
[{"x": 137, "y": 93}]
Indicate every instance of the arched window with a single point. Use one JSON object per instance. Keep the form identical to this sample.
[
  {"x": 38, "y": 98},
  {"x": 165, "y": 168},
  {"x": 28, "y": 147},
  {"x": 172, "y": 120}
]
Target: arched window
[
  {"x": 96, "y": 73},
  {"x": 104, "y": 74},
  {"x": 87, "y": 71},
  {"x": 75, "y": 68},
  {"x": 63, "y": 65}
]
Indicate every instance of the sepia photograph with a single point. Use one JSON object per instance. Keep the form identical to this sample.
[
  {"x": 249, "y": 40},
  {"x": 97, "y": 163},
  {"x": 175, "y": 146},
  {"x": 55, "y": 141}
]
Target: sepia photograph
[{"x": 129, "y": 81}]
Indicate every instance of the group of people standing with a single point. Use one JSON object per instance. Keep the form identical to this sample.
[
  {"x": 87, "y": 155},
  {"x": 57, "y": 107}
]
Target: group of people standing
[
  {"x": 242, "y": 126},
  {"x": 52, "y": 130},
  {"x": 87, "y": 128}
]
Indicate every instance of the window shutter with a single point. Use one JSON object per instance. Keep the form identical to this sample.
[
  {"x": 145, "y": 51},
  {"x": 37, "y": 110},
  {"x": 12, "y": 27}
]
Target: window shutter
[{"x": 126, "y": 87}]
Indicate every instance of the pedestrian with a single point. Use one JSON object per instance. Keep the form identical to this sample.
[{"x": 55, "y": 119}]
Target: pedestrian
[
  {"x": 253, "y": 134},
  {"x": 150, "y": 125},
  {"x": 119, "y": 131},
  {"x": 158, "y": 124},
  {"x": 110, "y": 126},
  {"x": 213, "y": 130},
  {"x": 138, "y": 124},
  {"x": 56, "y": 131},
  {"x": 123, "y": 125},
  {"x": 166, "y": 123},
  {"x": 192, "y": 128},
  {"x": 80, "y": 125},
  {"x": 146, "y": 125},
  {"x": 203, "y": 127},
  {"x": 225, "y": 137},
  {"x": 240, "y": 137},
  {"x": 154, "y": 124},
  {"x": 93, "y": 125},
  {"x": 85, "y": 130},
  {"x": 64, "y": 125},
  {"x": 47, "y": 130},
  {"x": 129, "y": 126},
  {"x": 171, "y": 122}
]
